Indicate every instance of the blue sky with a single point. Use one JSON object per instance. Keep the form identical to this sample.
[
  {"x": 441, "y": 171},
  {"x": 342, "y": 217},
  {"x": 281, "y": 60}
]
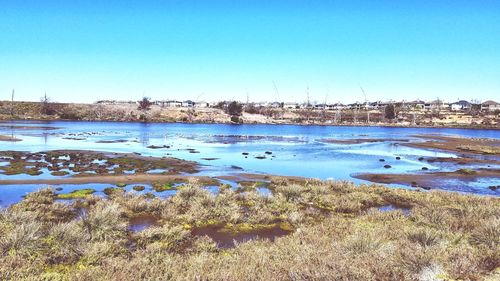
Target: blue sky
[{"x": 82, "y": 51}]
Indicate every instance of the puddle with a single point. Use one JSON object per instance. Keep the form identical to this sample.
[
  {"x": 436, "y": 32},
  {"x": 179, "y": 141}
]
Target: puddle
[
  {"x": 214, "y": 189},
  {"x": 264, "y": 191},
  {"x": 156, "y": 171},
  {"x": 390, "y": 208},
  {"x": 141, "y": 223},
  {"x": 227, "y": 239}
]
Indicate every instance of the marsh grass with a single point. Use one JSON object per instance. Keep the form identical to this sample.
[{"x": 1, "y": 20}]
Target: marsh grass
[
  {"x": 77, "y": 194},
  {"x": 336, "y": 233}
]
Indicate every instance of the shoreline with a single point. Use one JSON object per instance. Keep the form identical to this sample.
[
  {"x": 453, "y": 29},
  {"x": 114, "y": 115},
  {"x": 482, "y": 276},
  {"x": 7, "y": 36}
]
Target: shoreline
[
  {"x": 111, "y": 179},
  {"x": 380, "y": 125}
]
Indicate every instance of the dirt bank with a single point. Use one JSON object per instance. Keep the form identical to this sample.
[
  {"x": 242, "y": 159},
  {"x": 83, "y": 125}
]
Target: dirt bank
[
  {"x": 360, "y": 140},
  {"x": 429, "y": 180},
  {"x": 138, "y": 178},
  {"x": 462, "y": 160},
  {"x": 9, "y": 138},
  {"x": 468, "y": 146}
]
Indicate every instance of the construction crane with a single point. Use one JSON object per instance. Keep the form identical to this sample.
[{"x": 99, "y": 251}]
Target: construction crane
[
  {"x": 276, "y": 92},
  {"x": 278, "y": 100}
]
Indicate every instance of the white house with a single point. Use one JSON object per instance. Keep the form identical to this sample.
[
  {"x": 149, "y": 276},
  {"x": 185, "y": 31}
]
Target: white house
[
  {"x": 290, "y": 105},
  {"x": 460, "y": 105},
  {"x": 201, "y": 104},
  {"x": 490, "y": 105},
  {"x": 188, "y": 103},
  {"x": 173, "y": 103}
]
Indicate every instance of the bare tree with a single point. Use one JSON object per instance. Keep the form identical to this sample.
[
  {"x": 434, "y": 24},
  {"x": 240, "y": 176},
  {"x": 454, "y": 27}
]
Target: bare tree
[
  {"x": 338, "y": 116},
  {"x": 46, "y": 107}
]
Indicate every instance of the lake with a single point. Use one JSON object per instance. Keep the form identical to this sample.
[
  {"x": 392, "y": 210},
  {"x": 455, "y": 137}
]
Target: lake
[{"x": 271, "y": 149}]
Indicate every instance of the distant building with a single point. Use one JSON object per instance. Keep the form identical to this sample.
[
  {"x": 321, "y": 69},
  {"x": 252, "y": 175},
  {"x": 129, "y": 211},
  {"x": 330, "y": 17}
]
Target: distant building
[
  {"x": 356, "y": 105},
  {"x": 490, "y": 105},
  {"x": 276, "y": 104},
  {"x": 188, "y": 103},
  {"x": 338, "y": 106},
  {"x": 173, "y": 103},
  {"x": 436, "y": 105},
  {"x": 201, "y": 104},
  {"x": 460, "y": 105},
  {"x": 290, "y": 105},
  {"x": 416, "y": 104}
]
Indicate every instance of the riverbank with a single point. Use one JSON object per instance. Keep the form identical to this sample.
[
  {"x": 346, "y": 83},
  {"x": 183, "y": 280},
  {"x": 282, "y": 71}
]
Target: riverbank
[{"x": 157, "y": 114}]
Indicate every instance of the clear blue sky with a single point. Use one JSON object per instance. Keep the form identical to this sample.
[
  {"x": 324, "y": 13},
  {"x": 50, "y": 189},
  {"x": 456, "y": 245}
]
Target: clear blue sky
[{"x": 83, "y": 51}]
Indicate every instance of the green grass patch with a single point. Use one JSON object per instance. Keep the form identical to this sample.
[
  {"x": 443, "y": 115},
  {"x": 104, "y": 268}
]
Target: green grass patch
[
  {"x": 77, "y": 194},
  {"x": 466, "y": 171},
  {"x": 164, "y": 186},
  {"x": 111, "y": 190},
  {"x": 59, "y": 173},
  {"x": 139, "y": 187}
]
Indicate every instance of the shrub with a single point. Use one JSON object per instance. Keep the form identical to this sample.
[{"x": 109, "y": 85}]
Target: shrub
[
  {"x": 234, "y": 108},
  {"x": 145, "y": 104}
]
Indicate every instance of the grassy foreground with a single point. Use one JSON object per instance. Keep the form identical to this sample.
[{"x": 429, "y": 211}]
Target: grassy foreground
[{"x": 338, "y": 234}]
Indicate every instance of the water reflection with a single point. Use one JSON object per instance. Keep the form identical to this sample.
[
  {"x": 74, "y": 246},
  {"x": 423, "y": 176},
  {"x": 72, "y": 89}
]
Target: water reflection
[{"x": 295, "y": 150}]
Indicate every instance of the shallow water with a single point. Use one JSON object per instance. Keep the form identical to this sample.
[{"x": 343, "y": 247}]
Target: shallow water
[
  {"x": 11, "y": 193},
  {"x": 228, "y": 239},
  {"x": 294, "y": 150},
  {"x": 390, "y": 208},
  {"x": 141, "y": 223}
]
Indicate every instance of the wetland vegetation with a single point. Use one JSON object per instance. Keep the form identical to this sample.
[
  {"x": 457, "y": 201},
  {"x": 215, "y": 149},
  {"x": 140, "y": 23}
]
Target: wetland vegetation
[{"x": 305, "y": 230}]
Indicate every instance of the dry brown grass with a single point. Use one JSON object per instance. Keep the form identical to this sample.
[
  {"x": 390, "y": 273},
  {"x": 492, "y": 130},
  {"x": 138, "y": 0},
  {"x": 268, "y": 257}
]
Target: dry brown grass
[{"x": 337, "y": 235}]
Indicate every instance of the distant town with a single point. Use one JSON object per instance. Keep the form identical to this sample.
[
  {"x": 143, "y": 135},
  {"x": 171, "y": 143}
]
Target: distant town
[
  {"x": 462, "y": 105},
  {"x": 436, "y": 113}
]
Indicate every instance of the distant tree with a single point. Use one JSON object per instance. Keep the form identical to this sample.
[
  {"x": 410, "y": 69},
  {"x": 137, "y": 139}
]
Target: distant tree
[
  {"x": 145, "y": 104},
  {"x": 220, "y": 105},
  {"x": 46, "y": 107},
  {"x": 234, "y": 109},
  {"x": 251, "y": 108},
  {"x": 390, "y": 112},
  {"x": 236, "y": 119}
]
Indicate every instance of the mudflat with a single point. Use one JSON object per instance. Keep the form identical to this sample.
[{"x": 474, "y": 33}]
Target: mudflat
[
  {"x": 430, "y": 180},
  {"x": 9, "y": 138},
  {"x": 471, "y": 146},
  {"x": 138, "y": 178}
]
